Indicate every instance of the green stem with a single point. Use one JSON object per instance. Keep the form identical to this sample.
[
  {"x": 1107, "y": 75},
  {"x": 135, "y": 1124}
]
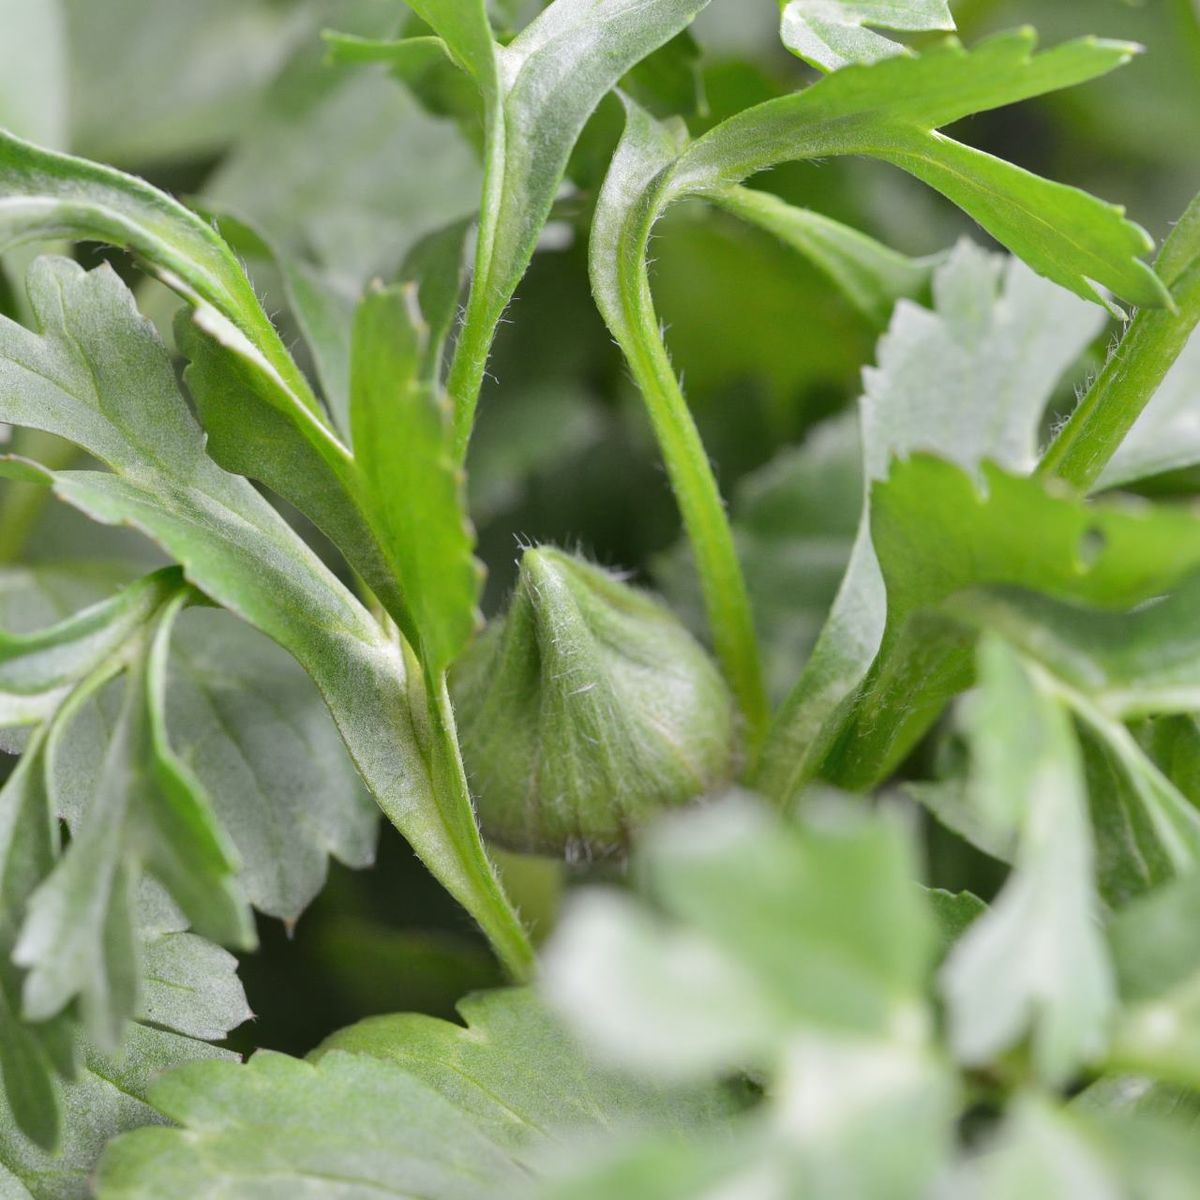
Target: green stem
[
  {"x": 1154, "y": 340},
  {"x": 725, "y": 597},
  {"x": 468, "y": 366},
  {"x": 491, "y": 908}
]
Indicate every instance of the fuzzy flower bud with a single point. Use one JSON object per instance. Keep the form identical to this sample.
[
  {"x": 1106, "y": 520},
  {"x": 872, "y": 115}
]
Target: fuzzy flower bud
[{"x": 585, "y": 710}]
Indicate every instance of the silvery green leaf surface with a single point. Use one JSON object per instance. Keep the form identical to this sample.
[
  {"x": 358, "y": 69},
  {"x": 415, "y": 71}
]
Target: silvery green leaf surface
[
  {"x": 834, "y": 33},
  {"x": 890, "y": 110},
  {"x": 124, "y": 407},
  {"x": 538, "y": 92},
  {"x": 970, "y": 380},
  {"x": 443, "y": 1111},
  {"x": 357, "y": 208},
  {"x": 749, "y": 925},
  {"x": 1036, "y": 962},
  {"x": 147, "y": 814},
  {"x": 108, "y": 1097},
  {"x": 52, "y": 195},
  {"x": 248, "y": 722},
  {"x": 205, "y": 65},
  {"x": 1111, "y": 667},
  {"x": 763, "y": 948}
]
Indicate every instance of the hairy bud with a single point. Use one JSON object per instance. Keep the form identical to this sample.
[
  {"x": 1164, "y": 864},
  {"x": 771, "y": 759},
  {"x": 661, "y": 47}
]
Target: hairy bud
[{"x": 585, "y": 710}]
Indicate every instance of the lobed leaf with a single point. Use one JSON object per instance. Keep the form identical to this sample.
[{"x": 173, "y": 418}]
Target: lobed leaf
[
  {"x": 48, "y": 195},
  {"x": 936, "y": 534},
  {"x": 970, "y": 381},
  {"x": 891, "y": 110},
  {"x": 247, "y": 721},
  {"x": 871, "y": 276},
  {"x": 108, "y": 1096},
  {"x": 401, "y": 1105},
  {"x": 79, "y": 936},
  {"x": 124, "y": 408},
  {"x": 831, "y": 34},
  {"x": 781, "y": 929},
  {"x": 1036, "y": 960}
]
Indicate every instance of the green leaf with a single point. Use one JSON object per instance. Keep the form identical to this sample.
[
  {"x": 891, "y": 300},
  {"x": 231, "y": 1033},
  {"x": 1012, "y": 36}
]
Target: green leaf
[
  {"x": 774, "y": 930},
  {"x": 54, "y": 195},
  {"x": 401, "y": 1106},
  {"x": 294, "y": 454},
  {"x": 189, "y": 985},
  {"x": 108, "y": 1097},
  {"x": 843, "y": 1096},
  {"x": 37, "y": 595},
  {"x": 242, "y": 716},
  {"x": 956, "y": 912},
  {"x": 247, "y": 721},
  {"x": 408, "y": 57},
  {"x": 38, "y": 670},
  {"x": 411, "y": 480},
  {"x": 1138, "y": 368},
  {"x": 1143, "y": 826},
  {"x": 1156, "y": 940},
  {"x": 799, "y": 951},
  {"x": 1157, "y": 955},
  {"x": 1110, "y": 667},
  {"x": 970, "y": 381},
  {"x": 147, "y": 814},
  {"x": 936, "y": 533},
  {"x": 355, "y": 210},
  {"x": 538, "y": 92},
  {"x": 28, "y": 844},
  {"x": 1042, "y": 1152},
  {"x": 261, "y": 417},
  {"x": 59, "y": 668},
  {"x": 1036, "y": 960},
  {"x": 205, "y": 68},
  {"x": 1129, "y": 664},
  {"x": 835, "y": 33},
  {"x": 872, "y": 276},
  {"x": 890, "y": 110},
  {"x": 125, "y": 409}
]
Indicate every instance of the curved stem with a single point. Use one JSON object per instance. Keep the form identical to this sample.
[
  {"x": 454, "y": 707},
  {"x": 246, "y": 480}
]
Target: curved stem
[
  {"x": 725, "y": 597},
  {"x": 1154, "y": 340}
]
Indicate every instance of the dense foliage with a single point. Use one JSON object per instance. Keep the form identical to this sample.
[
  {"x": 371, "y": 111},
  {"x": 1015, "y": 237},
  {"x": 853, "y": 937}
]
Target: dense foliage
[{"x": 817, "y": 814}]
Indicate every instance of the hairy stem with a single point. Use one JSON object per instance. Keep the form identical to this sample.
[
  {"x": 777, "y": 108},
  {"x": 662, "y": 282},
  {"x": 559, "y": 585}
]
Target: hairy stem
[
  {"x": 491, "y": 907},
  {"x": 725, "y": 597},
  {"x": 1154, "y": 340},
  {"x": 468, "y": 366}
]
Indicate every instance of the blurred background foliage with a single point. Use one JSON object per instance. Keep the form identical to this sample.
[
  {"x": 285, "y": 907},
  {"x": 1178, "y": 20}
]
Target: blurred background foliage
[{"x": 231, "y": 104}]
